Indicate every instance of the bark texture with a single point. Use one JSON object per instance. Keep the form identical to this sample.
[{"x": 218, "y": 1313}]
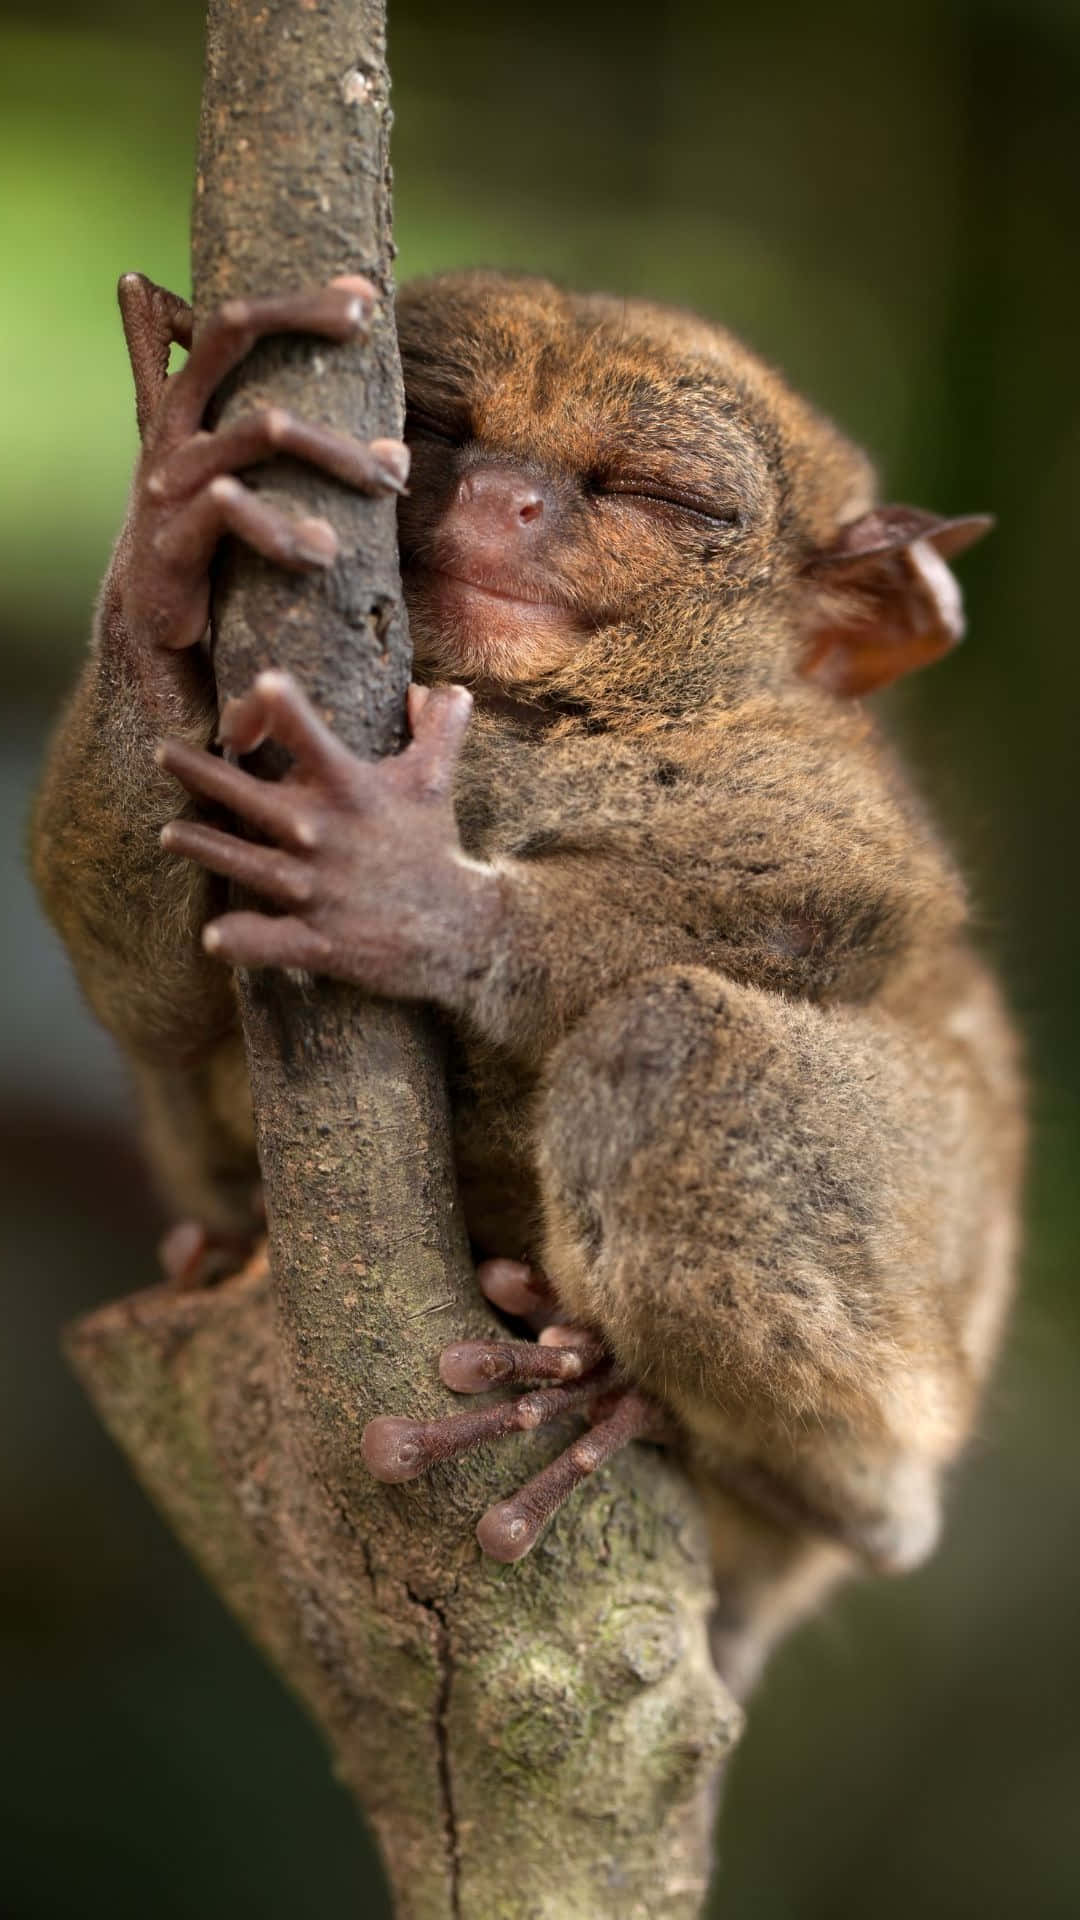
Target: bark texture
[{"x": 535, "y": 1740}]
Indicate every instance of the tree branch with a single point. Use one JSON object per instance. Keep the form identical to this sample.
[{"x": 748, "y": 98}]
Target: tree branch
[{"x": 540, "y": 1739}]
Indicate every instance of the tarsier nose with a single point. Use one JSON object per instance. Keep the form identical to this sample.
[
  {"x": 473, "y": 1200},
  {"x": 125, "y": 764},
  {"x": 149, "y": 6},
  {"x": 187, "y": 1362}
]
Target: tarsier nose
[{"x": 500, "y": 501}]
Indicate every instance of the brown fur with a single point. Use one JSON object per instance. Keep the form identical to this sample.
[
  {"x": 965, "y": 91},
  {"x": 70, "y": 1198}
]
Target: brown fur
[{"x": 726, "y": 1064}]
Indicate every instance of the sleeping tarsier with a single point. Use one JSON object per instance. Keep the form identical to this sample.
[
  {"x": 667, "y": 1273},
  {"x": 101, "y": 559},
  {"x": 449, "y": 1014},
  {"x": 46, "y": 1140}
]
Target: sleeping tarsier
[{"x": 738, "y": 1120}]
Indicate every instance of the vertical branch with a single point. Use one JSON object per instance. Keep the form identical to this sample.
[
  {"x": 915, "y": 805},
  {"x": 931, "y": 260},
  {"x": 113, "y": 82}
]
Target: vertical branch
[
  {"x": 535, "y": 1740},
  {"x": 293, "y": 188}
]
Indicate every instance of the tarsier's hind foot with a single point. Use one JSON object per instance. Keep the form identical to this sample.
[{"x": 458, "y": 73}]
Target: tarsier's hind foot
[
  {"x": 568, "y": 1370},
  {"x": 509, "y": 1529}
]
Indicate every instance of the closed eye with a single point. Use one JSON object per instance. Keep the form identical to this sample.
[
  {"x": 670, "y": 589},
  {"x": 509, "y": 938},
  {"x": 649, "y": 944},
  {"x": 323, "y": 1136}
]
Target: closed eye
[{"x": 646, "y": 495}]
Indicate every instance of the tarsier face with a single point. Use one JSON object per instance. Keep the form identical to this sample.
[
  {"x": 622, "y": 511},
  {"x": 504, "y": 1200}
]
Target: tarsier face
[{"x": 585, "y": 467}]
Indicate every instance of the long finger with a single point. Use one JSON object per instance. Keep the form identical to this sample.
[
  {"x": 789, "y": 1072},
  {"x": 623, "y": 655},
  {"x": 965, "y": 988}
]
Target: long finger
[
  {"x": 266, "y": 870},
  {"x": 373, "y": 467},
  {"x": 276, "y": 707},
  {"x": 264, "y": 804},
  {"x": 439, "y": 721},
  {"x": 394, "y": 1449},
  {"x": 338, "y": 312},
  {"x": 266, "y": 940},
  {"x": 189, "y": 537},
  {"x": 512, "y": 1527},
  {"x": 473, "y": 1366},
  {"x": 152, "y": 319}
]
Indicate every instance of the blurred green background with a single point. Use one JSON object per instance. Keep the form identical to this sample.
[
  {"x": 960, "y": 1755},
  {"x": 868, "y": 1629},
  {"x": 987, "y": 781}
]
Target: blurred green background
[{"x": 882, "y": 200}]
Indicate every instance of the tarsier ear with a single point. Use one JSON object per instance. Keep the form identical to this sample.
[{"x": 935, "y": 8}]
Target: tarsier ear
[{"x": 888, "y": 601}]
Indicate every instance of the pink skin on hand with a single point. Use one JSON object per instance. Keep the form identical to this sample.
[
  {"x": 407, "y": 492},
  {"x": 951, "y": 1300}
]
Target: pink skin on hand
[
  {"x": 187, "y": 494},
  {"x": 364, "y": 856}
]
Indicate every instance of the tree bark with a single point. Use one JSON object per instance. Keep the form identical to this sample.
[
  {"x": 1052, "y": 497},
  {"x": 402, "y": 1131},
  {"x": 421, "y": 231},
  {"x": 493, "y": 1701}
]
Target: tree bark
[{"x": 536, "y": 1740}]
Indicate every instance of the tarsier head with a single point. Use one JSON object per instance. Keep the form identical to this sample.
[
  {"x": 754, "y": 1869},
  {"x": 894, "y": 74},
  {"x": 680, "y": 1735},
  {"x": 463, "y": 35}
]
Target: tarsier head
[{"x": 616, "y": 502}]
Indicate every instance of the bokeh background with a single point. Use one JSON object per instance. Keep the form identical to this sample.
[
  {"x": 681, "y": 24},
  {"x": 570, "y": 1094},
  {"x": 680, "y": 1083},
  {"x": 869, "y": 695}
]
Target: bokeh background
[{"x": 882, "y": 200}]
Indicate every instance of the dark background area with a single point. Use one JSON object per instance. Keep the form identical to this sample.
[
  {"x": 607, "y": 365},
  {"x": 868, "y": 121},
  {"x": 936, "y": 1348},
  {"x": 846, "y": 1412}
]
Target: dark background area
[{"x": 883, "y": 201}]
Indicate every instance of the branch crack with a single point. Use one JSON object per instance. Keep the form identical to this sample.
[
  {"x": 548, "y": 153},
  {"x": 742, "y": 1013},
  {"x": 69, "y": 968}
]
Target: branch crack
[{"x": 441, "y": 1726}]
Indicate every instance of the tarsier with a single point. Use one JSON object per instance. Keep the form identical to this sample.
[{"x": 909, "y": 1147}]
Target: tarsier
[{"x": 736, "y": 1106}]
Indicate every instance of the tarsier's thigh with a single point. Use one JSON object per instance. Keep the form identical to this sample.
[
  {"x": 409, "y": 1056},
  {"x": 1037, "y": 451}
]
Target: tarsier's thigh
[{"x": 752, "y": 1199}]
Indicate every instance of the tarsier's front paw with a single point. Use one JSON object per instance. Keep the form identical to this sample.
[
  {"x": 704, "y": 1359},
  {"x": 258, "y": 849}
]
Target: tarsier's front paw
[
  {"x": 363, "y": 856},
  {"x": 576, "y": 1373},
  {"x": 187, "y": 495}
]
